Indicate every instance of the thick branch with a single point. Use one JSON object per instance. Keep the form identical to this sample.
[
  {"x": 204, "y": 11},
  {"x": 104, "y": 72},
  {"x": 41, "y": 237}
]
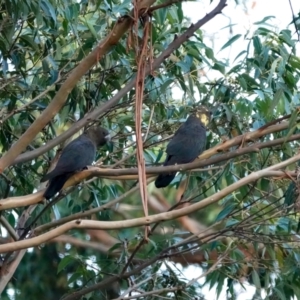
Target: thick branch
[
  {"x": 8, "y": 273},
  {"x": 88, "y": 224}
]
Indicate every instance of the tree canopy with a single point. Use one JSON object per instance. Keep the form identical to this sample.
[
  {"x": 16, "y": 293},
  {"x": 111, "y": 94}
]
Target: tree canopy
[{"x": 233, "y": 212}]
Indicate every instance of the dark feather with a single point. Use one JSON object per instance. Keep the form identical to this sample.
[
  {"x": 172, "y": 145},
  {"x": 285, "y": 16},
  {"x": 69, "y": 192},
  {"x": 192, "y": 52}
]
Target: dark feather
[
  {"x": 187, "y": 144},
  {"x": 56, "y": 185},
  {"x": 75, "y": 157}
]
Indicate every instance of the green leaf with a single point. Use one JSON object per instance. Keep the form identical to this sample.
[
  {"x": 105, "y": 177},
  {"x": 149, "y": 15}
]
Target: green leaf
[
  {"x": 277, "y": 97},
  {"x": 219, "y": 67},
  {"x": 240, "y": 54},
  {"x": 11, "y": 220},
  {"x": 75, "y": 276},
  {"x": 166, "y": 84},
  {"x": 251, "y": 83},
  {"x": 263, "y": 21},
  {"x": 48, "y": 9},
  {"x": 226, "y": 211},
  {"x": 292, "y": 124},
  {"x": 27, "y": 39},
  {"x": 179, "y": 12},
  {"x": 209, "y": 53},
  {"x": 279, "y": 294},
  {"x": 64, "y": 262},
  {"x": 257, "y": 44},
  {"x": 256, "y": 279},
  {"x": 231, "y": 41},
  {"x": 114, "y": 247}
]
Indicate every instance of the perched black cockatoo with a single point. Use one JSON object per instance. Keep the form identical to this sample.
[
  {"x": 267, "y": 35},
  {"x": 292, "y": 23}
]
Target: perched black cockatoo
[
  {"x": 188, "y": 143},
  {"x": 75, "y": 157}
]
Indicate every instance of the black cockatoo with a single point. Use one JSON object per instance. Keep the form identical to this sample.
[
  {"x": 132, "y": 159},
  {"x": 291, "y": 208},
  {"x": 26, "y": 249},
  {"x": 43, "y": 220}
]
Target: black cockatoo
[
  {"x": 75, "y": 157},
  {"x": 188, "y": 143}
]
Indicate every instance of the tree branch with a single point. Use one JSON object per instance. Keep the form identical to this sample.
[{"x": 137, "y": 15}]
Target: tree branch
[
  {"x": 88, "y": 224},
  {"x": 7, "y": 274}
]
